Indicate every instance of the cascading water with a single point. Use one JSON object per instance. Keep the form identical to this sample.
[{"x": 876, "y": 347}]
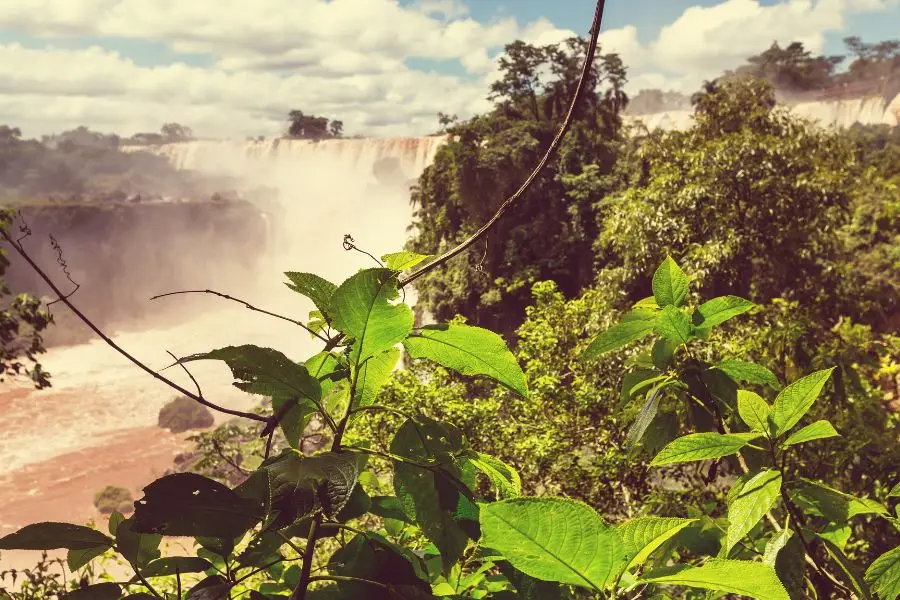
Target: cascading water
[
  {"x": 872, "y": 110},
  {"x": 96, "y": 425}
]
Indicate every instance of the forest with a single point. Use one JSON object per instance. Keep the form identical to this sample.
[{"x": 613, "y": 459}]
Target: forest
[{"x": 670, "y": 370}]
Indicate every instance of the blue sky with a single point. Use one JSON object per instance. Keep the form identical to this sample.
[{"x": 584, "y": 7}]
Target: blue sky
[{"x": 231, "y": 67}]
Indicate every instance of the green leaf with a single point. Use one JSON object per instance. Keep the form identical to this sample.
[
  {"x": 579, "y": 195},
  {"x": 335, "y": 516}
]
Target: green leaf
[
  {"x": 635, "y": 381},
  {"x": 187, "y": 504},
  {"x": 748, "y": 372},
  {"x": 755, "y": 497},
  {"x": 374, "y": 558},
  {"x": 362, "y": 309},
  {"x": 796, "y": 399},
  {"x": 644, "y": 418},
  {"x": 752, "y": 579},
  {"x": 662, "y": 353},
  {"x": 78, "y": 558},
  {"x": 554, "y": 539},
  {"x": 170, "y": 565},
  {"x": 470, "y": 351},
  {"x": 264, "y": 371},
  {"x": 883, "y": 575},
  {"x": 814, "y": 431},
  {"x": 718, "y": 310},
  {"x": 402, "y": 261},
  {"x": 754, "y": 411},
  {"x": 502, "y": 476},
  {"x": 98, "y": 591},
  {"x": 114, "y": 519},
  {"x": 776, "y": 545},
  {"x": 617, "y": 336},
  {"x": 848, "y": 569},
  {"x": 300, "y": 485},
  {"x": 700, "y": 446},
  {"x": 372, "y": 375},
  {"x": 836, "y": 533},
  {"x": 389, "y": 507},
  {"x": 643, "y": 535},
  {"x": 51, "y": 536},
  {"x": 214, "y": 587},
  {"x": 674, "y": 325},
  {"x": 313, "y": 287},
  {"x": 137, "y": 548},
  {"x": 895, "y": 491},
  {"x": 670, "y": 284},
  {"x": 819, "y": 499}
]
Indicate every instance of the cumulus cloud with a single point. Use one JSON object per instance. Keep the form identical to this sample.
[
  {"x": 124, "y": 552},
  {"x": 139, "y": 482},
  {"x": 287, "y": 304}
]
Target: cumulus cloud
[{"x": 346, "y": 59}]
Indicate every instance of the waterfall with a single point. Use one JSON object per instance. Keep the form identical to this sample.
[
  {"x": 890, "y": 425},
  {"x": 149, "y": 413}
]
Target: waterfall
[{"x": 842, "y": 113}]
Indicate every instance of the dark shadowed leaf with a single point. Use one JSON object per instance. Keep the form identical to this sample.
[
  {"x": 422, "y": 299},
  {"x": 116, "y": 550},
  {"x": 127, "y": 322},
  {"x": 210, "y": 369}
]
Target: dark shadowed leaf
[
  {"x": 373, "y": 558},
  {"x": 470, "y": 351},
  {"x": 99, "y": 591},
  {"x": 363, "y": 310},
  {"x": 300, "y": 485},
  {"x": 883, "y": 575},
  {"x": 78, "y": 558},
  {"x": 137, "y": 548},
  {"x": 187, "y": 504},
  {"x": 850, "y": 574},
  {"x": 50, "y": 536},
  {"x": 214, "y": 587},
  {"x": 175, "y": 564},
  {"x": 748, "y": 372},
  {"x": 819, "y": 499}
]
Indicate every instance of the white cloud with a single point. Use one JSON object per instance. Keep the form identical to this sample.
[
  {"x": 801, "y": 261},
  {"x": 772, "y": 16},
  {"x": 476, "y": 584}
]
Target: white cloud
[{"x": 345, "y": 59}]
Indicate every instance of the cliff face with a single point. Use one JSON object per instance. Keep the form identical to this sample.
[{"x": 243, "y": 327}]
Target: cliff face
[{"x": 123, "y": 254}]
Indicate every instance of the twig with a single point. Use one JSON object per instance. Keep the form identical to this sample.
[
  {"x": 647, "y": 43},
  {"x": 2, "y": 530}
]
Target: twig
[
  {"x": 554, "y": 145},
  {"x": 349, "y": 244},
  {"x": 340, "y": 578},
  {"x": 65, "y": 300},
  {"x": 247, "y": 305}
]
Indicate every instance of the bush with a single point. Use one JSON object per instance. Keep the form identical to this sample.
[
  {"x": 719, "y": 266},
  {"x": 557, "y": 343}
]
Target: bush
[
  {"x": 114, "y": 498},
  {"x": 183, "y": 414}
]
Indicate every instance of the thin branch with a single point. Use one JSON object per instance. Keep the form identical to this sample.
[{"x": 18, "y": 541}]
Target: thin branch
[
  {"x": 554, "y": 145},
  {"x": 247, "y": 305},
  {"x": 65, "y": 300},
  {"x": 189, "y": 374},
  {"x": 340, "y": 578}
]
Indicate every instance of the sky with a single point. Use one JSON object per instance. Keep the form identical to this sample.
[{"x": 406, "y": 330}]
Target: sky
[{"x": 235, "y": 68}]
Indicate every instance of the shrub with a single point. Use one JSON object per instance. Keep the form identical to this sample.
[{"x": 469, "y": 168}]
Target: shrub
[
  {"x": 114, "y": 498},
  {"x": 183, "y": 414}
]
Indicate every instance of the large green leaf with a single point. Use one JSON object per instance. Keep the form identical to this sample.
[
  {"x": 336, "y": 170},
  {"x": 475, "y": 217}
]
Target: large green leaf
[
  {"x": 754, "y": 411},
  {"x": 700, "y": 446},
  {"x": 748, "y": 502},
  {"x": 670, "y": 284},
  {"x": 187, "y": 504},
  {"x": 171, "y": 565},
  {"x": 776, "y": 545},
  {"x": 819, "y": 499},
  {"x": 362, "y": 308},
  {"x": 554, "y": 539},
  {"x": 76, "y": 559},
  {"x": 883, "y": 575},
  {"x": 751, "y": 579},
  {"x": 402, "y": 261},
  {"x": 301, "y": 485},
  {"x": 372, "y": 375},
  {"x": 617, "y": 336},
  {"x": 470, "y": 351},
  {"x": 50, "y": 536},
  {"x": 814, "y": 431},
  {"x": 644, "y": 418},
  {"x": 748, "y": 372},
  {"x": 796, "y": 399},
  {"x": 643, "y": 535},
  {"x": 264, "y": 371},
  {"x": 503, "y": 477},
  {"x": 312, "y": 286},
  {"x": 674, "y": 325},
  {"x": 718, "y": 310}
]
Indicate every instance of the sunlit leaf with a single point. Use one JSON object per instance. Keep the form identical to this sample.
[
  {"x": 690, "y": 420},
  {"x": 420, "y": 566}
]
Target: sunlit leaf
[
  {"x": 747, "y": 504},
  {"x": 643, "y": 535},
  {"x": 814, "y": 431},
  {"x": 796, "y": 399},
  {"x": 401, "y": 261},
  {"x": 674, "y": 325},
  {"x": 718, "y": 310},
  {"x": 312, "y": 286},
  {"x": 754, "y": 411},
  {"x": 670, "y": 284},
  {"x": 372, "y": 375},
  {"x": 748, "y": 372},
  {"x": 700, "y": 446},
  {"x": 751, "y": 579},
  {"x": 617, "y": 336},
  {"x": 883, "y": 575},
  {"x": 502, "y": 476}
]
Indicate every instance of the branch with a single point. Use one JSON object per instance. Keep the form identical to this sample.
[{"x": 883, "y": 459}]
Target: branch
[
  {"x": 246, "y": 305},
  {"x": 554, "y": 145},
  {"x": 65, "y": 300}
]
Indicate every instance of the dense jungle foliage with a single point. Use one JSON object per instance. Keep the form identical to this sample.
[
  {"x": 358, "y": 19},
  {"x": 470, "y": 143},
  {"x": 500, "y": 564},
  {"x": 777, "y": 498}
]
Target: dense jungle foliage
[{"x": 698, "y": 397}]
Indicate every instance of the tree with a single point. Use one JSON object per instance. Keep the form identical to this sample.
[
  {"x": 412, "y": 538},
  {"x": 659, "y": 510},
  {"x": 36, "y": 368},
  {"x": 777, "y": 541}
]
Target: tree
[
  {"x": 311, "y": 127},
  {"x": 174, "y": 132},
  {"x": 486, "y": 158},
  {"x": 22, "y": 319},
  {"x": 792, "y": 68}
]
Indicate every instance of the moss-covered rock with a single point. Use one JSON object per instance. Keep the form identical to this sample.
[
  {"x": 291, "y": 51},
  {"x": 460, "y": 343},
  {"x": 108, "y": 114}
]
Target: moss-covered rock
[
  {"x": 184, "y": 414},
  {"x": 112, "y": 498}
]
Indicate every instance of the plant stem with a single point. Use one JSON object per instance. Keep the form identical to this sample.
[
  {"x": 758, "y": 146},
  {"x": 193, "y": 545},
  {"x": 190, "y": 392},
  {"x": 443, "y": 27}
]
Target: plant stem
[
  {"x": 349, "y": 580},
  {"x": 308, "y": 554}
]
